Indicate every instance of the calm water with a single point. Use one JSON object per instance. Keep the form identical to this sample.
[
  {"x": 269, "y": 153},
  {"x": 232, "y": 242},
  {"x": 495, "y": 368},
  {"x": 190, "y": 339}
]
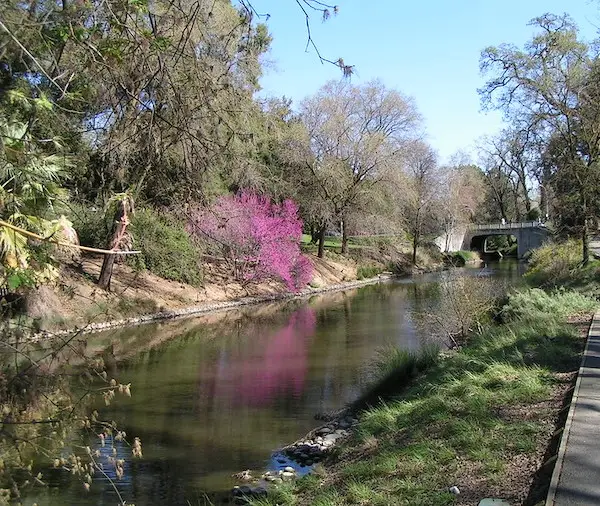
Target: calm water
[{"x": 219, "y": 394}]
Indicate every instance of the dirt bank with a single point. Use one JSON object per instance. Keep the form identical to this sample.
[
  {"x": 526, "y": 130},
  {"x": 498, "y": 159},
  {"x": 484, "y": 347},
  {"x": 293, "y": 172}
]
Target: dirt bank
[{"x": 76, "y": 301}]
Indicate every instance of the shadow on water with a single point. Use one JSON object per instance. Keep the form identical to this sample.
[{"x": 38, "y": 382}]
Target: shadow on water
[{"x": 219, "y": 394}]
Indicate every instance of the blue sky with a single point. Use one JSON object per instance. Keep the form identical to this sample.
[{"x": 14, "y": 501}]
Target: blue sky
[{"x": 427, "y": 49}]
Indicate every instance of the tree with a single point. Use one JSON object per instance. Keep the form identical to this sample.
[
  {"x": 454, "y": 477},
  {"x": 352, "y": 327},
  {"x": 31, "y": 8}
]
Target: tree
[
  {"x": 513, "y": 163},
  {"x": 463, "y": 197},
  {"x": 356, "y": 135},
  {"x": 257, "y": 238},
  {"x": 550, "y": 87},
  {"x": 419, "y": 195}
]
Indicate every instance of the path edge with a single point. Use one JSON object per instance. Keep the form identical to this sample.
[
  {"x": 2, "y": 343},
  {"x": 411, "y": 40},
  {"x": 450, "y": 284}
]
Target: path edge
[{"x": 564, "y": 441}]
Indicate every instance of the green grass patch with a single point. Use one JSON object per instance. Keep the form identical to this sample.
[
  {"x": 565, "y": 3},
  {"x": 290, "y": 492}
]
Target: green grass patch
[
  {"x": 469, "y": 413},
  {"x": 368, "y": 271}
]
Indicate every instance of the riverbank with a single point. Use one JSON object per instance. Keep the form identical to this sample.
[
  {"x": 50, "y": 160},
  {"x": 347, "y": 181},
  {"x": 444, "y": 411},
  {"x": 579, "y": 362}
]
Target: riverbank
[
  {"x": 75, "y": 303},
  {"x": 481, "y": 420}
]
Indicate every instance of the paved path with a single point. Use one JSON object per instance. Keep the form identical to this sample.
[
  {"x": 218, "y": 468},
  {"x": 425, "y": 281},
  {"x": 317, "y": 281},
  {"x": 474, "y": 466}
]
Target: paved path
[{"x": 576, "y": 477}]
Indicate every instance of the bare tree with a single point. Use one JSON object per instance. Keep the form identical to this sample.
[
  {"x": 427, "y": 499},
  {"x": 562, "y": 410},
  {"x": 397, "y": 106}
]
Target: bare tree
[
  {"x": 419, "y": 195},
  {"x": 357, "y": 134}
]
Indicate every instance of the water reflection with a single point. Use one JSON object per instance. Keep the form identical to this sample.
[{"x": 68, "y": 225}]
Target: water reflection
[{"x": 226, "y": 391}]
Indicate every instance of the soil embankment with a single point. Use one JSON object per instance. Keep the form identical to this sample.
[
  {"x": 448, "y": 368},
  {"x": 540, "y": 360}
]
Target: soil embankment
[{"x": 76, "y": 301}]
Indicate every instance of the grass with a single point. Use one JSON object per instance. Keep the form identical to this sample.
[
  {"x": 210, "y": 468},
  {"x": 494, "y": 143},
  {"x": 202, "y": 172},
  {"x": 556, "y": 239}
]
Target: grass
[
  {"x": 331, "y": 242},
  {"x": 368, "y": 271},
  {"x": 467, "y": 418}
]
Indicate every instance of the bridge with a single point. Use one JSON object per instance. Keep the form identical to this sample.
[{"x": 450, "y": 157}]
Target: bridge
[{"x": 529, "y": 235}]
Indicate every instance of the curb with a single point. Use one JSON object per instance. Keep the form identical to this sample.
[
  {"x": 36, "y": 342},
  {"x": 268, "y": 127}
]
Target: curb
[{"x": 556, "y": 474}]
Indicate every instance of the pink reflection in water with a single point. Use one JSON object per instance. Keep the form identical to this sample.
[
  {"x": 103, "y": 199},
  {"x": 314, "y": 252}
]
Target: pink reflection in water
[{"x": 270, "y": 367}]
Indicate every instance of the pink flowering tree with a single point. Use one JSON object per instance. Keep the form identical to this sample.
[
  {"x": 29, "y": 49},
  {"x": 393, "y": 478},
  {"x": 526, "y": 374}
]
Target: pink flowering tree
[{"x": 259, "y": 239}]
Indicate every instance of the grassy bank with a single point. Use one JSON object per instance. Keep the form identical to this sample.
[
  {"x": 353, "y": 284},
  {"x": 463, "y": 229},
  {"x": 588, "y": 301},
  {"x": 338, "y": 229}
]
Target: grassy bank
[{"x": 480, "y": 419}]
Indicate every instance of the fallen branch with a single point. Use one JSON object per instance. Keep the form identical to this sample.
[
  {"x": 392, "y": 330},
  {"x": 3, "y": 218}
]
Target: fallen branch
[{"x": 64, "y": 243}]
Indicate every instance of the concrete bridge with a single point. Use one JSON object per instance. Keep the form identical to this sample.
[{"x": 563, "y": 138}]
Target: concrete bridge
[{"x": 529, "y": 235}]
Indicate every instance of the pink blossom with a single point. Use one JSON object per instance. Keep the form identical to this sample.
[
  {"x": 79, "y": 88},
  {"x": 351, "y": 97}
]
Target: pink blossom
[{"x": 258, "y": 238}]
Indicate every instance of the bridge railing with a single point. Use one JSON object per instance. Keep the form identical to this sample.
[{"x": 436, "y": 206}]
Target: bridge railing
[{"x": 506, "y": 226}]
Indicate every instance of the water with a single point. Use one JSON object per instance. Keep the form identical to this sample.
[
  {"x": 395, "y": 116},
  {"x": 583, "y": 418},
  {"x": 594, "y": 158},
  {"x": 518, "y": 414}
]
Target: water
[{"x": 215, "y": 395}]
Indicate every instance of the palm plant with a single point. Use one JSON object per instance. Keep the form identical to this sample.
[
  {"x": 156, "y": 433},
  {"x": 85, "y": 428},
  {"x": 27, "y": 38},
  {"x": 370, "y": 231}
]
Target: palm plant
[{"x": 30, "y": 185}]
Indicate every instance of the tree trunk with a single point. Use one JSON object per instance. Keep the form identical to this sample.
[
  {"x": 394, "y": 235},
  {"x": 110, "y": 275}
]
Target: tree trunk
[
  {"x": 321, "y": 250},
  {"x": 414, "y": 252},
  {"x": 314, "y": 234},
  {"x": 586, "y": 244},
  {"x": 344, "y": 238},
  {"x": 106, "y": 272},
  {"x": 124, "y": 207}
]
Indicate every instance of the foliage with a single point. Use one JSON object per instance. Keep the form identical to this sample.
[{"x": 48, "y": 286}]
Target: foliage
[
  {"x": 356, "y": 134},
  {"x": 30, "y": 186},
  {"x": 90, "y": 223},
  {"x": 536, "y": 303},
  {"x": 167, "y": 249},
  {"x": 556, "y": 264},
  {"x": 368, "y": 271},
  {"x": 550, "y": 92},
  {"x": 394, "y": 368},
  {"x": 463, "y": 257},
  {"x": 464, "y": 305},
  {"x": 258, "y": 238},
  {"x": 467, "y": 408}
]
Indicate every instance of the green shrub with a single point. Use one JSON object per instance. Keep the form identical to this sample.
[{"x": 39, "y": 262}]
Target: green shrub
[
  {"x": 463, "y": 257},
  {"x": 368, "y": 271},
  {"x": 394, "y": 368},
  {"x": 167, "y": 249},
  {"x": 554, "y": 264},
  {"x": 89, "y": 223},
  {"x": 537, "y": 304}
]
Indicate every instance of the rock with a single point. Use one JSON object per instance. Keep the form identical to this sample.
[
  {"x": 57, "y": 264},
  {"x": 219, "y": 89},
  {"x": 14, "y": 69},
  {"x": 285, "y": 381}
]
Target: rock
[
  {"x": 309, "y": 463},
  {"x": 241, "y": 491},
  {"x": 324, "y": 430},
  {"x": 454, "y": 490},
  {"x": 289, "y": 469},
  {"x": 258, "y": 492},
  {"x": 287, "y": 476}
]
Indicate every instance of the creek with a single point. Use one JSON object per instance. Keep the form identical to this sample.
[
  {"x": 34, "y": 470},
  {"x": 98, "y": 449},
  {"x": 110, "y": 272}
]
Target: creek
[{"x": 218, "y": 394}]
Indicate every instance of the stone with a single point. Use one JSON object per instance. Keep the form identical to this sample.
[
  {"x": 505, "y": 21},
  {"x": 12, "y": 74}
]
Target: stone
[
  {"x": 287, "y": 476},
  {"x": 324, "y": 430},
  {"x": 241, "y": 491},
  {"x": 289, "y": 469},
  {"x": 454, "y": 490},
  {"x": 258, "y": 492}
]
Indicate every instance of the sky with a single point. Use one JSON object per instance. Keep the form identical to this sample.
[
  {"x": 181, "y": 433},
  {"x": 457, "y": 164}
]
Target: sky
[{"x": 426, "y": 49}]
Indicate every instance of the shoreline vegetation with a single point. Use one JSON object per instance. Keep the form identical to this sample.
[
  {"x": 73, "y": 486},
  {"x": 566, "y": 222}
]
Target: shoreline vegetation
[{"x": 484, "y": 418}]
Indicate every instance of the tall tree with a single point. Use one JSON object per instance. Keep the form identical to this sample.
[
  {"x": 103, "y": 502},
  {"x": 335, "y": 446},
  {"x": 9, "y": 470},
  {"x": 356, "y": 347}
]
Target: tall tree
[
  {"x": 548, "y": 86},
  {"x": 419, "y": 196},
  {"x": 356, "y": 135}
]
